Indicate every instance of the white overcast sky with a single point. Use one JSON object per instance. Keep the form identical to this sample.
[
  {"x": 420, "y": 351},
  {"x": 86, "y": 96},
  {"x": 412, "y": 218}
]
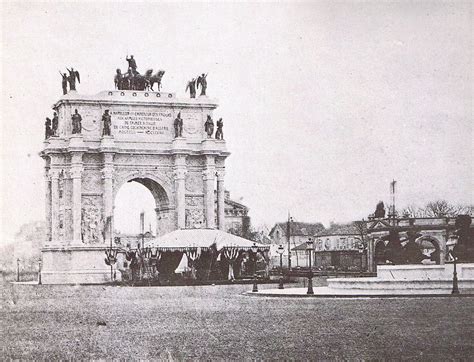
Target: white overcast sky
[{"x": 323, "y": 103}]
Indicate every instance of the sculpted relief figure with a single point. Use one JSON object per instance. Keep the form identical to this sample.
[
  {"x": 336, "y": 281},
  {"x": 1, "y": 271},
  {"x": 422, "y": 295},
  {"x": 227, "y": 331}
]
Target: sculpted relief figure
[
  {"x": 192, "y": 88},
  {"x": 178, "y": 126},
  {"x": 107, "y": 120},
  {"x": 201, "y": 81},
  {"x": 209, "y": 126},
  {"x": 219, "y": 131},
  {"x": 76, "y": 123}
]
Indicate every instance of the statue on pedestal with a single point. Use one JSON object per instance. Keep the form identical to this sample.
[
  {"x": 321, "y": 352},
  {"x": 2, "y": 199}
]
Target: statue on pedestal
[
  {"x": 131, "y": 63},
  {"x": 64, "y": 82},
  {"x": 76, "y": 123},
  {"x": 107, "y": 120},
  {"x": 178, "y": 126},
  {"x": 209, "y": 126},
  {"x": 55, "y": 124},
  {"x": 379, "y": 211},
  {"x": 118, "y": 79},
  {"x": 47, "y": 128},
  {"x": 203, "y": 82},
  {"x": 192, "y": 88},
  {"x": 73, "y": 75},
  {"x": 219, "y": 131}
]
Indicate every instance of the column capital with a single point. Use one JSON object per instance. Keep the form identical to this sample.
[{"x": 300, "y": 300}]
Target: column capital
[
  {"x": 107, "y": 172},
  {"x": 208, "y": 174},
  {"x": 53, "y": 174},
  {"x": 76, "y": 172},
  {"x": 180, "y": 173},
  {"x": 220, "y": 175}
]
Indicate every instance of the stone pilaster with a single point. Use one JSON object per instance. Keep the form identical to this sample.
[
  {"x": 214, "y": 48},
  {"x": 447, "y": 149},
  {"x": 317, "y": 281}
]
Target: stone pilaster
[
  {"x": 107, "y": 198},
  {"x": 54, "y": 177},
  {"x": 47, "y": 209},
  {"x": 180, "y": 186},
  {"x": 76, "y": 175},
  {"x": 209, "y": 175},
  {"x": 221, "y": 200}
]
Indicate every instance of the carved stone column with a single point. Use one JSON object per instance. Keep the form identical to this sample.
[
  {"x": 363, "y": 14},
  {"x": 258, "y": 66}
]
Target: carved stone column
[
  {"x": 47, "y": 209},
  {"x": 209, "y": 175},
  {"x": 107, "y": 177},
  {"x": 180, "y": 176},
  {"x": 370, "y": 254},
  {"x": 108, "y": 195},
  {"x": 220, "y": 200},
  {"x": 180, "y": 185},
  {"x": 76, "y": 175},
  {"x": 54, "y": 176}
]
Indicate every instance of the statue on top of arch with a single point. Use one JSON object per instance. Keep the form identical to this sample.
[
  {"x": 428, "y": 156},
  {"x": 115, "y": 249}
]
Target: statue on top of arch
[{"x": 133, "y": 80}]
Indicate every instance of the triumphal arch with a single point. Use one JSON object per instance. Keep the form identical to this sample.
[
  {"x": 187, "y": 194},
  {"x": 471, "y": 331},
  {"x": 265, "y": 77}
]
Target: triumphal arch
[{"x": 97, "y": 143}]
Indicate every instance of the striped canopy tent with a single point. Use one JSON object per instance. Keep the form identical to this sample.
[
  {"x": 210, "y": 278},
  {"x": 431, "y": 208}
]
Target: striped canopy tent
[
  {"x": 185, "y": 239},
  {"x": 203, "y": 248}
]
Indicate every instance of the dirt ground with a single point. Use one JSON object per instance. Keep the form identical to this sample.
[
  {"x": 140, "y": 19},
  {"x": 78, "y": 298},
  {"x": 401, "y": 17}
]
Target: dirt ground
[{"x": 218, "y": 322}]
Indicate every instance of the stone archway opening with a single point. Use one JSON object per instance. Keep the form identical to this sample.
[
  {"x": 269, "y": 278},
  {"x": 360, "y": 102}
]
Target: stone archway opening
[
  {"x": 430, "y": 248},
  {"x": 141, "y": 206}
]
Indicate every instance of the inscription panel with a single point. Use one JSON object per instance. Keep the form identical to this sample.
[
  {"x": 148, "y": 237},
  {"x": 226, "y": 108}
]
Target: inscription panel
[{"x": 142, "y": 124}]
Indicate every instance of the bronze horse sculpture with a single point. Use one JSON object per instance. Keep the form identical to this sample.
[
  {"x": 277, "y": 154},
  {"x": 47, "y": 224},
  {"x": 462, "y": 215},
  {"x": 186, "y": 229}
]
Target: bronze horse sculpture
[{"x": 135, "y": 81}]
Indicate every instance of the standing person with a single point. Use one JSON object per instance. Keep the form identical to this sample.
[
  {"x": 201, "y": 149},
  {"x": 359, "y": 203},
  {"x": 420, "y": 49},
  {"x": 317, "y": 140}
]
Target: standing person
[{"x": 219, "y": 131}]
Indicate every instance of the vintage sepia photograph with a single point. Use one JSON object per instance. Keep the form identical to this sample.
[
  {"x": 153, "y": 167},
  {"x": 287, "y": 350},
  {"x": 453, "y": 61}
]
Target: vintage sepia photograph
[{"x": 237, "y": 180}]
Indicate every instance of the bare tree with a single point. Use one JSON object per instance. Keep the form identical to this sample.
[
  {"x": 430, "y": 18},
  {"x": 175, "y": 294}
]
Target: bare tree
[
  {"x": 439, "y": 208},
  {"x": 361, "y": 227}
]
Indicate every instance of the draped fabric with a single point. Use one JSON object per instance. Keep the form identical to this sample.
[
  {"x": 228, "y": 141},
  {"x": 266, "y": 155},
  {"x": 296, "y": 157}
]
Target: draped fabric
[
  {"x": 169, "y": 262},
  {"x": 206, "y": 264},
  {"x": 193, "y": 255},
  {"x": 231, "y": 255}
]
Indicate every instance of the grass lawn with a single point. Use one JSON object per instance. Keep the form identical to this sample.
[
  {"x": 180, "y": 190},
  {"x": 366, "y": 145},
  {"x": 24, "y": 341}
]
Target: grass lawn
[{"x": 206, "y": 322}]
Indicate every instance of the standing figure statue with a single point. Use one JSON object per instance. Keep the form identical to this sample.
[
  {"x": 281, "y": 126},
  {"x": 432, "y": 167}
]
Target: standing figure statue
[
  {"x": 192, "y": 88},
  {"x": 178, "y": 126},
  {"x": 118, "y": 79},
  {"x": 107, "y": 120},
  {"x": 73, "y": 75},
  {"x": 64, "y": 82},
  {"x": 76, "y": 123},
  {"x": 219, "y": 131},
  {"x": 203, "y": 82},
  {"x": 47, "y": 128},
  {"x": 55, "y": 124},
  {"x": 132, "y": 63},
  {"x": 209, "y": 126}
]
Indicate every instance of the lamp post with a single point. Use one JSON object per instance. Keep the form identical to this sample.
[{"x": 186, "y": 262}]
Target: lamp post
[
  {"x": 18, "y": 269},
  {"x": 254, "y": 251},
  {"x": 280, "y": 251},
  {"x": 40, "y": 267},
  {"x": 310, "y": 248}
]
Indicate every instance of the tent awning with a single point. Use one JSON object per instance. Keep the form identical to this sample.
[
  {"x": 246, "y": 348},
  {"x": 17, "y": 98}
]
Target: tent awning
[{"x": 184, "y": 239}]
